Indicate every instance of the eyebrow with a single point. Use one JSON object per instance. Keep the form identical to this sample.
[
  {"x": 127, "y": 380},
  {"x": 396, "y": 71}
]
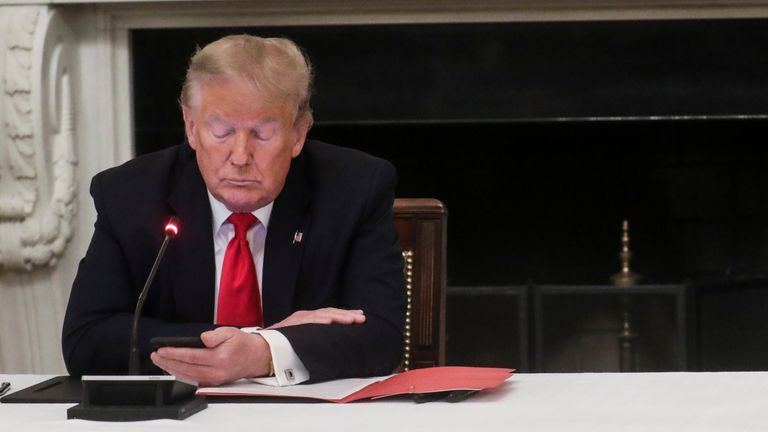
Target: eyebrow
[{"x": 214, "y": 118}]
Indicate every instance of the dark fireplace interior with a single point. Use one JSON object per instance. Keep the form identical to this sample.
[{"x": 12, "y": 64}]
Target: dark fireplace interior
[{"x": 541, "y": 138}]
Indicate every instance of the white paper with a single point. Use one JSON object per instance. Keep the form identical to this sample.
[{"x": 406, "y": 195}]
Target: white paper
[{"x": 329, "y": 390}]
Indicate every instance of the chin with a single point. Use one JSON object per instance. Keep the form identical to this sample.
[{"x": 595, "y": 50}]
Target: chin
[
  {"x": 239, "y": 207},
  {"x": 243, "y": 205}
]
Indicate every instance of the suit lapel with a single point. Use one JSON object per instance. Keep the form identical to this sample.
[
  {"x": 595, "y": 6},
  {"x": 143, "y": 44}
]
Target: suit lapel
[
  {"x": 282, "y": 255},
  {"x": 193, "y": 263}
]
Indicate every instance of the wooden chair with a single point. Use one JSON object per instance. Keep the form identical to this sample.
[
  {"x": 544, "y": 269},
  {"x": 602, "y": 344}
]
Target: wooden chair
[{"x": 421, "y": 224}]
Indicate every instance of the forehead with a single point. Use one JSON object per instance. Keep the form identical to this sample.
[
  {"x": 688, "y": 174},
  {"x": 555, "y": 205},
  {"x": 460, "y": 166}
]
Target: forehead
[
  {"x": 237, "y": 100},
  {"x": 217, "y": 120}
]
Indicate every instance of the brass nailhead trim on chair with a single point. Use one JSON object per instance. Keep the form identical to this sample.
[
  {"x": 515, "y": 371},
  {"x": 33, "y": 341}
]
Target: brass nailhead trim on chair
[{"x": 408, "y": 257}]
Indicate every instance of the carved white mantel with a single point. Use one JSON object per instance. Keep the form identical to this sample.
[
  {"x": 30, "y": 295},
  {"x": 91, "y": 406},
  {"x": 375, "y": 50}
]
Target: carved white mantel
[
  {"x": 65, "y": 114},
  {"x": 38, "y": 181},
  {"x": 38, "y": 160}
]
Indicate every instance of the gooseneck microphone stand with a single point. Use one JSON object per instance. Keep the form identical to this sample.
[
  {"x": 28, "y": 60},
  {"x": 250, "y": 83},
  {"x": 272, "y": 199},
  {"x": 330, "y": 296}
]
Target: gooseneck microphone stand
[
  {"x": 139, "y": 397},
  {"x": 171, "y": 229}
]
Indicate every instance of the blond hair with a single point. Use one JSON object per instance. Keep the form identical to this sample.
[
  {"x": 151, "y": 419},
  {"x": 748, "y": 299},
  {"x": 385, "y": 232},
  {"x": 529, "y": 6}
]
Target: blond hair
[{"x": 276, "y": 67}]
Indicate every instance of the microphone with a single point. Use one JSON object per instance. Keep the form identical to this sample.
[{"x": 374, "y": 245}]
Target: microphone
[
  {"x": 134, "y": 397},
  {"x": 171, "y": 231}
]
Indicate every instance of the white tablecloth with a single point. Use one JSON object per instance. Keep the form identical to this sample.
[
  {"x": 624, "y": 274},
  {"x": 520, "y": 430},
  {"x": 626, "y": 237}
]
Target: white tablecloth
[{"x": 724, "y": 401}]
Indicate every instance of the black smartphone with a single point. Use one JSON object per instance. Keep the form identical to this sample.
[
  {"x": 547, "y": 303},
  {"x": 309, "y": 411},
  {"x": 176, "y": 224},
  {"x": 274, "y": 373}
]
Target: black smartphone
[{"x": 176, "y": 341}]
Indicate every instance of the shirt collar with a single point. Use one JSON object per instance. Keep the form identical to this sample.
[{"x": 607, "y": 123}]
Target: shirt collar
[{"x": 221, "y": 213}]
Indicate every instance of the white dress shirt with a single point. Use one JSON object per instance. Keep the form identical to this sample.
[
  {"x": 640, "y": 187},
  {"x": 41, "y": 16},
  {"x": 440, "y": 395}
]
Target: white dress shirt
[{"x": 288, "y": 366}]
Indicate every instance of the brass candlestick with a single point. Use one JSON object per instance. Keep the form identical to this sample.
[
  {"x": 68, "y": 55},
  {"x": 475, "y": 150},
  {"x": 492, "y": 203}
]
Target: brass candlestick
[{"x": 625, "y": 277}]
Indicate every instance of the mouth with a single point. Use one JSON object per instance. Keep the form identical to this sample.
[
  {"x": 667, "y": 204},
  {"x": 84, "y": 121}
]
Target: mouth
[{"x": 240, "y": 182}]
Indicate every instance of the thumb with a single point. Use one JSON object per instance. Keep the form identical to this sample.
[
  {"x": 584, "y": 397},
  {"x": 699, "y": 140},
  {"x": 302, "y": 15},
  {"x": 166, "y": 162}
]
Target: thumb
[{"x": 216, "y": 337}]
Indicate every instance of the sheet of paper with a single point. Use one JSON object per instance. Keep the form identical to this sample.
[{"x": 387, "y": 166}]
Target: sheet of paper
[{"x": 329, "y": 390}]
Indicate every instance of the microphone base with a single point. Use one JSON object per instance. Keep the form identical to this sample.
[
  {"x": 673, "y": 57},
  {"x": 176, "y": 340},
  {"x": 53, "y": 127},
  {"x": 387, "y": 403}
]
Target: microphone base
[{"x": 133, "y": 398}]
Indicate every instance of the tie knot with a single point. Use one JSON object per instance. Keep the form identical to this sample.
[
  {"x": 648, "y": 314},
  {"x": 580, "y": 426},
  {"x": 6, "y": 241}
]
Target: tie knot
[{"x": 242, "y": 222}]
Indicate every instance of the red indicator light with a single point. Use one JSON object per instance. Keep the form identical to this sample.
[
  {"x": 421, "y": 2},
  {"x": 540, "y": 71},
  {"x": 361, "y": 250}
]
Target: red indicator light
[{"x": 172, "y": 228}]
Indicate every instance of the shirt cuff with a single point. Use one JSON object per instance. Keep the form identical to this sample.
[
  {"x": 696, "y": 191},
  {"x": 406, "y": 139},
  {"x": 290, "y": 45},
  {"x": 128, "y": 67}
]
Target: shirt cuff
[{"x": 289, "y": 368}]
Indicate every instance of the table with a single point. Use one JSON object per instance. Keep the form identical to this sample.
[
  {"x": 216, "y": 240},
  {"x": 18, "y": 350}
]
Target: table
[{"x": 676, "y": 401}]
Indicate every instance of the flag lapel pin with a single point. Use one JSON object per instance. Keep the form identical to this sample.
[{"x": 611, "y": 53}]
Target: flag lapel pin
[{"x": 297, "y": 236}]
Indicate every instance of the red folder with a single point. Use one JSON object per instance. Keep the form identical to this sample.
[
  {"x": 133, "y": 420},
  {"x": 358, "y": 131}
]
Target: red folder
[{"x": 436, "y": 379}]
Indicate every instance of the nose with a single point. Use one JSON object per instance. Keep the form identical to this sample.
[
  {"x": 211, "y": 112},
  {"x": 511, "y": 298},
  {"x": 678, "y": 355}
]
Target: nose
[{"x": 241, "y": 150}]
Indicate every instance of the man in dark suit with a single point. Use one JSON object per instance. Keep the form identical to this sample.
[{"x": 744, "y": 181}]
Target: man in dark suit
[{"x": 322, "y": 250}]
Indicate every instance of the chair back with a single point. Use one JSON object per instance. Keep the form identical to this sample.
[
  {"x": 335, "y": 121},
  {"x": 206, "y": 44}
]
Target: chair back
[{"x": 421, "y": 224}]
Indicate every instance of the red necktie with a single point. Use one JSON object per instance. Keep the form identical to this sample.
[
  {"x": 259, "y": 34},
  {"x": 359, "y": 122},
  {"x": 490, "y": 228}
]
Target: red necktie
[{"x": 239, "y": 298}]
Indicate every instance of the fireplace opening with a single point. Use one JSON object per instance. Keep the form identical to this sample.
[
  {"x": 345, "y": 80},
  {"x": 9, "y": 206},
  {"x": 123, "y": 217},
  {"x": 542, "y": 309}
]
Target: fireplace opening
[{"x": 541, "y": 138}]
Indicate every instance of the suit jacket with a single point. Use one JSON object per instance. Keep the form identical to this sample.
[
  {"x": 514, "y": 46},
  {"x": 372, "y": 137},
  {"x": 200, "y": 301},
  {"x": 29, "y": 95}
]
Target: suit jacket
[{"x": 349, "y": 257}]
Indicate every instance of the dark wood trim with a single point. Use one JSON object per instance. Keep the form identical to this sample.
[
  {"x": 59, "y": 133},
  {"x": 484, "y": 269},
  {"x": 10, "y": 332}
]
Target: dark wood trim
[{"x": 422, "y": 226}]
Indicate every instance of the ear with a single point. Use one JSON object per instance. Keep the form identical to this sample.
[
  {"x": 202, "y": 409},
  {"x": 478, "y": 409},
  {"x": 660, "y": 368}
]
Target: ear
[
  {"x": 298, "y": 144},
  {"x": 189, "y": 127}
]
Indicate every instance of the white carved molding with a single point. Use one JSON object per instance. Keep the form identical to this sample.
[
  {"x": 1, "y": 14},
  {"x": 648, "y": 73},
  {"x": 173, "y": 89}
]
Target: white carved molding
[
  {"x": 38, "y": 158},
  {"x": 17, "y": 170}
]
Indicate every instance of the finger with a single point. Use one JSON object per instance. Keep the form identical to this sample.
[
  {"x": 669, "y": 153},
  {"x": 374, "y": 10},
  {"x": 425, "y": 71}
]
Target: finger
[
  {"x": 216, "y": 337},
  {"x": 200, "y": 378},
  {"x": 168, "y": 365},
  {"x": 344, "y": 316},
  {"x": 188, "y": 371},
  {"x": 347, "y": 311},
  {"x": 331, "y": 316}
]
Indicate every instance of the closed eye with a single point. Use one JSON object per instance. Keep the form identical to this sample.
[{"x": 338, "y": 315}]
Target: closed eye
[
  {"x": 265, "y": 133},
  {"x": 218, "y": 128},
  {"x": 221, "y": 132},
  {"x": 221, "y": 135},
  {"x": 260, "y": 136}
]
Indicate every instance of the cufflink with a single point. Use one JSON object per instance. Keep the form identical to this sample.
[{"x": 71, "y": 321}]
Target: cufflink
[{"x": 289, "y": 375}]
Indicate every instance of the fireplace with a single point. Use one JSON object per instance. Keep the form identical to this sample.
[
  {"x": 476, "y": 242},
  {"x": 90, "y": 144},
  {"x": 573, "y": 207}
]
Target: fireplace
[
  {"x": 541, "y": 138},
  {"x": 540, "y": 153}
]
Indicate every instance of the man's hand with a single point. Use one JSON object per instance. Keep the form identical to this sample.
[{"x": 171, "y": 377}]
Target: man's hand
[
  {"x": 230, "y": 355},
  {"x": 323, "y": 316}
]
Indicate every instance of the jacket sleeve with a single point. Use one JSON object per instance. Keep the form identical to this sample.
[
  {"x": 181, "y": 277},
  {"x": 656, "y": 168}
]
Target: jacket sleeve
[
  {"x": 98, "y": 320},
  {"x": 372, "y": 280}
]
